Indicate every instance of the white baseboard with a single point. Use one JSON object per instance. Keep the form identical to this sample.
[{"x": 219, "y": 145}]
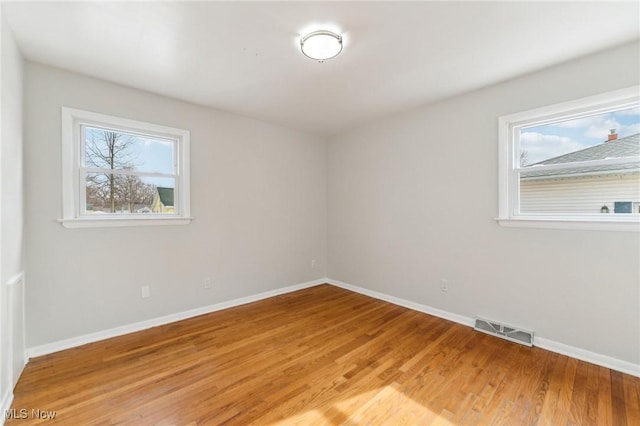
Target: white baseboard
[
  {"x": 541, "y": 342},
  {"x": 406, "y": 303},
  {"x": 553, "y": 346},
  {"x": 154, "y": 322},
  {"x": 588, "y": 356},
  {"x": 7, "y": 399},
  {"x": 15, "y": 288}
]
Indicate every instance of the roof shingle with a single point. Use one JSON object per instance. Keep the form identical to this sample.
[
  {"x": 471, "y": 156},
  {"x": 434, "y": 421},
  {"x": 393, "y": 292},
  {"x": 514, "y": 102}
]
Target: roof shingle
[
  {"x": 166, "y": 196},
  {"x": 619, "y": 148}
]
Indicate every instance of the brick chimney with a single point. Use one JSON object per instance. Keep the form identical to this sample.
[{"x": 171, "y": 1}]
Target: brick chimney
[{"x": 612, "y": 136}]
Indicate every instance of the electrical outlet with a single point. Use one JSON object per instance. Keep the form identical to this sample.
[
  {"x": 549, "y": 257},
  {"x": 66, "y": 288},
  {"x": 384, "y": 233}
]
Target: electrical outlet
[
  {"x": 314, "y": 263},
  {"x": 444, "y": 285},
  {"x": 207, "y": 283},
  {"x": 145, "y": 291}
]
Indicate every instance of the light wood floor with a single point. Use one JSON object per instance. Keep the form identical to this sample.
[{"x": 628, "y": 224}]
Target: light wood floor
[{"x": 321, "y": 356}]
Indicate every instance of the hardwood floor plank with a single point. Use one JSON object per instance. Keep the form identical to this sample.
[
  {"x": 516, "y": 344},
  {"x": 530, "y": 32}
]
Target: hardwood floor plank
[
  {"x": 322, "y": 355},
  {"x": 632, "y": 399},
  {"x": 577, "y": 412},
  {"x": 605, "y": 415},
  {"x": 552, "y": 401}
]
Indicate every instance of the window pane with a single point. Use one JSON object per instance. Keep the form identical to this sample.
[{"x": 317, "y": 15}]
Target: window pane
[
  {"x": 128, "y": 194},
  {"x": 606, "y": 188},
  {"x": 610, "y": 135},
  {"x": 112, "y": 149},
  {"x": 613, "y": 193}
]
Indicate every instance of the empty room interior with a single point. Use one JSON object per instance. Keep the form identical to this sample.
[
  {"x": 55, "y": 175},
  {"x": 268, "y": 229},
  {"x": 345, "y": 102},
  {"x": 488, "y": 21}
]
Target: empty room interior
[{"x": 320, "y": 213}]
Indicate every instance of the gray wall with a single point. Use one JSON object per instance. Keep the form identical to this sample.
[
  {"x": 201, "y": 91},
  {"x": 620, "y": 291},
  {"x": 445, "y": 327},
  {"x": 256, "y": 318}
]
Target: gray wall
[
  {"x": 258, "y": 196},
  {"x": 412, "y": 200},
  {"x": 11, "y": 213}
]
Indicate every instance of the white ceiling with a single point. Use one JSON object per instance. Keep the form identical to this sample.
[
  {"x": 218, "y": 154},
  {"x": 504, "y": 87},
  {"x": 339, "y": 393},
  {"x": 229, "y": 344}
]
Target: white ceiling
[{"x": 243, "y": 57}]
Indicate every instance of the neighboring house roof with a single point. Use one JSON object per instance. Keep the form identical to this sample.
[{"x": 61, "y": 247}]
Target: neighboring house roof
[
  {"x": 166, "y": 196},
  {"x": 619, "y": 148}
]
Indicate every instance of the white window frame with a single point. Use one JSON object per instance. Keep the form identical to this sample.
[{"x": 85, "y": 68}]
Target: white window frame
[
  {"x": 509, "y": 127},
  {"x": 73, "y": 197}
]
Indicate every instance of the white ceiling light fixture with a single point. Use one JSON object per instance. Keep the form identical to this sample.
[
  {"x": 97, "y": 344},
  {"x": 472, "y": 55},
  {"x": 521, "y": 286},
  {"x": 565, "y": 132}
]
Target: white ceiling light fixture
[{"x": 321, "y": 45}]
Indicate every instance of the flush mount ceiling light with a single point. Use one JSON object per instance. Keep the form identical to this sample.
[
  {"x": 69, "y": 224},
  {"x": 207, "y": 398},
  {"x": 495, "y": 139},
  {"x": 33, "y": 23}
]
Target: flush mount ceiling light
[{"x": 321, "y": 45}]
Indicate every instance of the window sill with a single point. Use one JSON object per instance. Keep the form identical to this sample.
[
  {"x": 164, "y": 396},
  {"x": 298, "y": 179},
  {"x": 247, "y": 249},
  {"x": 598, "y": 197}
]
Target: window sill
[
  {"x": 631, "y": 224},
  {"x": 122, "y": 222}
]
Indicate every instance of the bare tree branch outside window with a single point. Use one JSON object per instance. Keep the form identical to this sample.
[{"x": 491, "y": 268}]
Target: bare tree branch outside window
[{"x": 111, "y": 192}]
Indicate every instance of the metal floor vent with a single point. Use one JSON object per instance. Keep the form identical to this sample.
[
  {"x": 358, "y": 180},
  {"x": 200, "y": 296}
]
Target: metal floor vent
[{"x": 524, "y": 337}]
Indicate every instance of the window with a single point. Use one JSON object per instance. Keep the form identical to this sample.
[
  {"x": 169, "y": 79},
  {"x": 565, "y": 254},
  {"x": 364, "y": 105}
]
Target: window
[
  {"x": 573, "y": 165},
  {"x": 120, "y": 172}
]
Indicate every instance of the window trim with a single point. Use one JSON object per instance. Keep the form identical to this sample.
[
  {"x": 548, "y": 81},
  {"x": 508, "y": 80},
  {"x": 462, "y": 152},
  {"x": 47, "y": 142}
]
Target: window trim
[
  {"x": 72, "y": 120},
  {"x": 509, "y": 152}
]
